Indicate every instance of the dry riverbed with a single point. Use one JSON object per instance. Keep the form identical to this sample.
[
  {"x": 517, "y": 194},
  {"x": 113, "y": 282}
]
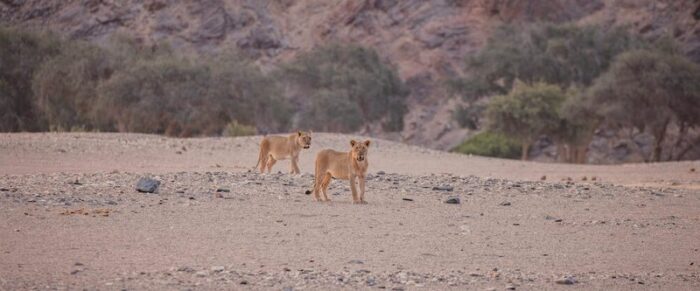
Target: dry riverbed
[{"x": 70, "y": 218}]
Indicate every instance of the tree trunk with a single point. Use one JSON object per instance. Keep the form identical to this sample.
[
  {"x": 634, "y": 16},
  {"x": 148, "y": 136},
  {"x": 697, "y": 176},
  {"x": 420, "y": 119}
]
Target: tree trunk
[
  {"x": 581, "y": 154},
  {"x": 562, "y": 152},
  {"x": 690, "y": 146},
  {"x": 682, "y": 132},
  {"x": 658, "y": 141},
  {"x": 525, "y": 150}
]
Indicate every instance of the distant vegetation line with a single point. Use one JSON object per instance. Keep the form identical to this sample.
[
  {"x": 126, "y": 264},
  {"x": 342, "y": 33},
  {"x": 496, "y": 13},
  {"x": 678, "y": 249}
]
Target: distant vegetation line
[
  {"x": 49, "y": 83},
  {"x": 564, "y": 82}
]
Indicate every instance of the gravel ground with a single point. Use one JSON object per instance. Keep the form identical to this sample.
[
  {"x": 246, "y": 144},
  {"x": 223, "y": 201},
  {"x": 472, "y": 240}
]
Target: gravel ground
[{"x": 71, "y": 218}]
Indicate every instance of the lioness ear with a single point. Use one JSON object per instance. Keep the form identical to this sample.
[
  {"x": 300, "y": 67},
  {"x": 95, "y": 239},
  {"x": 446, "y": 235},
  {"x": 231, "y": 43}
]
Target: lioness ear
[
  {"x": 352, "y": 143},
  {"x": 299, "y": 132},
  {"x": 367, "y": 143}
]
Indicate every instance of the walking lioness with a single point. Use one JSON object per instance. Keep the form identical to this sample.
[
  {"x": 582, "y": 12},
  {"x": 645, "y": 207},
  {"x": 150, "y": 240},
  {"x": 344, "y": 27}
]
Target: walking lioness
[
  {"x": 342, "y": 165},
  {"x": 274, "y": 148}
]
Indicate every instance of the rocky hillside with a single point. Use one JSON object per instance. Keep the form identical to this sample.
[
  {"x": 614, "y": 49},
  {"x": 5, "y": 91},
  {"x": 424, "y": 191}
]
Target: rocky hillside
[{"x": 426, "y": 40}]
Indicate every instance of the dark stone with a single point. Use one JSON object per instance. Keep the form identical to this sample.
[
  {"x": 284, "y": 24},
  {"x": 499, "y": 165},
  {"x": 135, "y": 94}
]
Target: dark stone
[
  {"x": 407, "y": 199},
  {"x": 453, "y": 200},
  {"x": 447, "y": 188},
  {"x": 147, "y": 185},
  {"x": 223, "y": 190},
  {"x": 307, "y": 192},
  {"x": 504, "y": 203},
  {"x": 566, "y": 281}
]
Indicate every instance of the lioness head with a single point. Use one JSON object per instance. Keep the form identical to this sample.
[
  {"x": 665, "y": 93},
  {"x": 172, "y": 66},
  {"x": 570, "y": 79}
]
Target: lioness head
[
  {"x": 359, "y": 150},
  {"x": 304, "y": 139}
]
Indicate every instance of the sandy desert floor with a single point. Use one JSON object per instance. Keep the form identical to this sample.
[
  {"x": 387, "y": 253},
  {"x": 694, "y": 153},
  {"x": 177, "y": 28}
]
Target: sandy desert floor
[{"x": 70, "y": 218}]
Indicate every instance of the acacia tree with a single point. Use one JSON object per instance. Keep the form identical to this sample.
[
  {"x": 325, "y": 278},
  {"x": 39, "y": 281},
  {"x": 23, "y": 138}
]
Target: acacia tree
[
  {"x": 649, "y": 90},
  {"x": 561, "y": 54},
  {"x": 526, "y": 113},
  {"x": 578, "y": 122}
]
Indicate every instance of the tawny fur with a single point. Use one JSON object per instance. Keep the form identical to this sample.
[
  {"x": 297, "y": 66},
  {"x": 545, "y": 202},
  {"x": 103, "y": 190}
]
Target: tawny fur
[
  {"x": 275, "y": 148},
  {"x": 350, "y": 165}
]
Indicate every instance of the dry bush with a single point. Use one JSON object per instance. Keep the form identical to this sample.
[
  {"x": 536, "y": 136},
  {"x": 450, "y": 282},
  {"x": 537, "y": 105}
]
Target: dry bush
[{"x": 21, "y": 54}]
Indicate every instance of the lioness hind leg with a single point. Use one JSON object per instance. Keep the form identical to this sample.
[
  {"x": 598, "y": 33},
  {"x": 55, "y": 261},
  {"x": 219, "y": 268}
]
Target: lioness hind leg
[
  {"x": 262, "y": 162},
  {"x": 324, "y": 185},
  {"x": 317, "y": 188},
  {"x": 270, "y": 164}
]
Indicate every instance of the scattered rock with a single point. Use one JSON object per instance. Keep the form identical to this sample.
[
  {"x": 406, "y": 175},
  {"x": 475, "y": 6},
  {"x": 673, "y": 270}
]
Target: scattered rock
[
  {"x": 504, "y": 203},
  {"x": 224, "y": 190},
  {"x": 584, "y": 178},
  {"x": 543, "y": 178},
  {"x": 307, "y": 192},
  {"x": 201, "y": 273},
  {"x": 453, "y": 200},
  {"x": 358, "y": 262},
  {"x": 407, "y": 199},
  {"x": 510, "y": 287},
  {"x": 185, "y": 269},
  {"x": 147, "y": 185},
  {"x": 567, "y": 280},
  {"x": 217, "y": 269},
  {"x": 692, "y": 169},
  {"x": 447, "y": 188},
  {"x": 381, "y": 173}
]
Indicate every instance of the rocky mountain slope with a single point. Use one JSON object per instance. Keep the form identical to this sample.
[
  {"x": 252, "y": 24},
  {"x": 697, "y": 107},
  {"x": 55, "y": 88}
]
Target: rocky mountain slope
[{"x": 426, "y": 40}]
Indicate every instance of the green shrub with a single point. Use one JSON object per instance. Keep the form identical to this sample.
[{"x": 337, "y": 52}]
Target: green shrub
[
  {"x": 332, "y": 111},
  {"x": 234, "y": 129},
  {"x": 491, "y": 145},
  {"x": 469, "y": 116},
  {"x": 356, "y": 75},
  {"x": 65, "y": 86}
]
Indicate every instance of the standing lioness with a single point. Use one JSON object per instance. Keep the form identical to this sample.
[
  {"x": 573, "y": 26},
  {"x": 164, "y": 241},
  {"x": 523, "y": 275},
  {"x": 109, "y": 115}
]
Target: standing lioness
[
  {"x": 274, "y": 148},
  {"x": 342, "y": 165}
]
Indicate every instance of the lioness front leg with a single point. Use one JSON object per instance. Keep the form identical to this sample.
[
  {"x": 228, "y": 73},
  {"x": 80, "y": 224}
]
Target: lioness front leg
[
  {"x": 362, "y": 190},
  {"x": 295, "y": 165},
  {"x": 353, "y": 188}
]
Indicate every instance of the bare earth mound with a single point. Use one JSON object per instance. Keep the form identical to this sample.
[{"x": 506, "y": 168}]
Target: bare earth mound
[{"x": 71, "y": 218}]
